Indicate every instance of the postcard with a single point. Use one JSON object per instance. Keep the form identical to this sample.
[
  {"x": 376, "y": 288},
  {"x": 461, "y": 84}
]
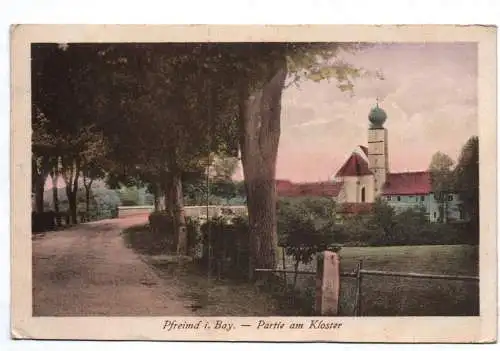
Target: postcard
[{"x": 305, "y": 183}]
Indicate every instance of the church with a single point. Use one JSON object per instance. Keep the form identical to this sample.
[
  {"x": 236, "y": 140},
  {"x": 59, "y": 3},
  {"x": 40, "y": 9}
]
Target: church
[{"x": 366, "y": 176}]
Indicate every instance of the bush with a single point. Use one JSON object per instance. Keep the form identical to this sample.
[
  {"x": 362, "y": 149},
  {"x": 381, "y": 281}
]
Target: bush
[
  {"x": 44, "y": 221},
  {"x": 305, "y": 227},
  {"x": 383, "y": 227},
  {"x": 162, "y": 228},
  {"x": 105, "y": 202},
  {"x": 228, "y": 239}
]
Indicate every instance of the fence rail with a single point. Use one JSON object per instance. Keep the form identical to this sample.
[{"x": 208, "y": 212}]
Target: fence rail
[
  {"x": 420, "y": 275},
  {"x": 359, "y": 272}
]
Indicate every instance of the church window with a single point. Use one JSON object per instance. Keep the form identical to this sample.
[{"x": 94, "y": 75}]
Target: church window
[
  {"x": 422, "y": 198},
  {"x": 363, "y": 195},
  {"x": 450, "y": 197},
  {"x": 435, "y": 215},
  {"x": 399, "y": 198}
]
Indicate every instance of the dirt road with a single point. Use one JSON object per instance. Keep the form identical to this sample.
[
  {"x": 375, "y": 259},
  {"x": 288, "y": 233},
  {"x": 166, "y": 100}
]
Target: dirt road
[{"x": 88, "y": 271}]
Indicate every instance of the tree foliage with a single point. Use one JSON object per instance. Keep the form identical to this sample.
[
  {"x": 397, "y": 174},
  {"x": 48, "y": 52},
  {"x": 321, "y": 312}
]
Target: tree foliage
[
  {"x": 467, "y": 180},
  {"x": 443, "y": 181},
  {"x": 163, "y": 108}
]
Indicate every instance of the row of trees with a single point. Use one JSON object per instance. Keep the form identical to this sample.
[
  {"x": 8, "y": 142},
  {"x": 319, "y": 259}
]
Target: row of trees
[
  {"x": 461, "y": 178},
  {"x": 158, "y": 114}
]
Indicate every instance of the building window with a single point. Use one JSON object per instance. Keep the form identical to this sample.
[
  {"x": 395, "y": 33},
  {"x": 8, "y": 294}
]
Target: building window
[
  {"x": 422, "y": 198},
  {"x": 450, "y": 197},
  {"x": 399, "y": 198},
  {"x": 435, "y": 215},
  {"x": 363, "y": 195},
  {"x": 388, "y": 198}
]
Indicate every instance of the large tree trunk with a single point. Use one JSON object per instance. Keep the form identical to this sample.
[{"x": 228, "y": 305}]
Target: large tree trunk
[
  {"x": 260, "y": 114},
  {"x": 87, "y": 200},
  {"x": 157, "y": 199},
  {"x": 71, "y": 172},
  {"x": 179, "y": 215},
  {"x": 42, "y": 172},
  {"x": 72, "y": 206},
  {"x": 39, "y": 190},
  {"x": 87, "y": 183},
  {"x": 55, "y": 194},
  {"x": 168, "y": 197}
]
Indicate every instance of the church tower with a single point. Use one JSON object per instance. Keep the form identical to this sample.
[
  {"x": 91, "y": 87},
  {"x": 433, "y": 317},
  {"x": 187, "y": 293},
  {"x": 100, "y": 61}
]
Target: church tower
[{"x": 378, "y": 156}]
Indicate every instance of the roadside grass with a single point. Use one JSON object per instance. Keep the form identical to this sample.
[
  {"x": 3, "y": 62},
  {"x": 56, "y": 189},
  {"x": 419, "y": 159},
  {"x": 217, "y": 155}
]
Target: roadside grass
[
  {"x": 403, "y": 296},
  {"x": 204, "y": 295},
  {"x": 381, "y": 296},
  {"x": 144, "y": 241}
]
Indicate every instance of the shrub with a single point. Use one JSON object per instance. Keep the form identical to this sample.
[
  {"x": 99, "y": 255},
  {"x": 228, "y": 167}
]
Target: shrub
[
  {"x": 228, "y": 240},
  {"x": 162, "y": 227},
  {"x": 305, "y": 227},
  {"x": 384, "y": 227},
  {"x": 41, "y": 222},
  {"x": 104, "y": 204}
]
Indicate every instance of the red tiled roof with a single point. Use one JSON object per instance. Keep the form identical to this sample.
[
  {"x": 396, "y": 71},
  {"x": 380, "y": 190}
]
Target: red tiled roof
[
  {"x": 365, "y": 149},
  {"x": 408, "y": 183},
  {"x": 326, "y": 189},
  {"x": 356, "y": 165},
  {"x": 354, "y": 208}
]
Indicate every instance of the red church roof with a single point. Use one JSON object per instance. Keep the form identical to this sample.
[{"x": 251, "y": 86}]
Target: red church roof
[
  {"x": 323, "y": 189},
  {"x": 356, "y": 165},
  {"x": 408, "y": 183},
  {"x": 365, "y": 149}
]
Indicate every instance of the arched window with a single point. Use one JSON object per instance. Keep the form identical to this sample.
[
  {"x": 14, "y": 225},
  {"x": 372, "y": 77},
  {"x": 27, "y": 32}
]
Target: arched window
[{"x": 363, "y": 195}]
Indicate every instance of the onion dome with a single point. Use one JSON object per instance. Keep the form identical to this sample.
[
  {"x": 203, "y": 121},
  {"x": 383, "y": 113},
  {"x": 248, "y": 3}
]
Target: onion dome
[{"x": 377, "y": 117}]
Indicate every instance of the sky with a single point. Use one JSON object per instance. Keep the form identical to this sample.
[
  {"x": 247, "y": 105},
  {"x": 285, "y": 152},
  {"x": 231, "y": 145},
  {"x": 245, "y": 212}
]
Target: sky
[{"x": 429, "y": 94}]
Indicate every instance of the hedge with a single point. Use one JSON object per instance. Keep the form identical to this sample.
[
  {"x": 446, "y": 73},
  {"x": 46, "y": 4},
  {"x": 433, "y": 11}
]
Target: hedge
[{"x": 228, "y": 239}]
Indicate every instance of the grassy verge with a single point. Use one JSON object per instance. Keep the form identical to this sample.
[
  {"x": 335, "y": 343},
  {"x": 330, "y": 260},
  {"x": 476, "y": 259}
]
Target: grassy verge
[
  {"x": 207, "y": 295},
  {"x": 142, "y": 240},
  {"x": 400, "y": 296},
  {"x": 381, "y": 296}
]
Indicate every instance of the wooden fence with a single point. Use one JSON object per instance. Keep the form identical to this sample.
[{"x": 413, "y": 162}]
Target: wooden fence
[{"x": 328, "y": 282}]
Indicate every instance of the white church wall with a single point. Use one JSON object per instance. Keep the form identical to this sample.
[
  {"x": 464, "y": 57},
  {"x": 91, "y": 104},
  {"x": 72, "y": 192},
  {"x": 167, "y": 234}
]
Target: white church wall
[{"x": 352, "y": 188}]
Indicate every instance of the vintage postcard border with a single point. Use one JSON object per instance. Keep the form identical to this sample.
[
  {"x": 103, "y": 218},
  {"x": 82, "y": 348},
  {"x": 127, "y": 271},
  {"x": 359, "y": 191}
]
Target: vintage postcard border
[{"x": 366, "y": 329}]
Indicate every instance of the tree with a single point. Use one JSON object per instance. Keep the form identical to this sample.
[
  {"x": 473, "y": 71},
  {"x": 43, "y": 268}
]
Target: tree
[
  {"x": 382, "y": 223},
  {"x": 306, "y": 228},
  {"x": 62, "y": 89},
  {"x": 190, "y": 101},
  {"x": 259, "y": 118},
  {"x": 442, "y": 181},
  {"x": 467, "y": 180},
  {"x": 42, "y": 156}
]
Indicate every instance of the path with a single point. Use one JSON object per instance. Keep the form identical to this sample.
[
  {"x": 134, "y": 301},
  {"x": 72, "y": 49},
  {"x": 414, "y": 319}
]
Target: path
[{"x": 88, "y": 271}]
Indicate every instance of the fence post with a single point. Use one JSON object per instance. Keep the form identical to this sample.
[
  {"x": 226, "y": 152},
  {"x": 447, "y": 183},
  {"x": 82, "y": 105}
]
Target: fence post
[
  {"x": 327, "y": 284},
  {"x": 283, "y": 258},
  {"x": 357, "y": 307}
]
